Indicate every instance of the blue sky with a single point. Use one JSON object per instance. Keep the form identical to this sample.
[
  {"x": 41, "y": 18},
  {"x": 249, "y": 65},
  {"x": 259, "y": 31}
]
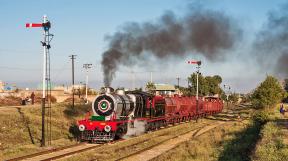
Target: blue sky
[{"x": 81, "y": 26}]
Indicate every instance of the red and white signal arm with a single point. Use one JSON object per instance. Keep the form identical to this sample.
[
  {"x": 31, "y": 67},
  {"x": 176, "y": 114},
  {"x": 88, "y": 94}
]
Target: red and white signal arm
[
  {"x": 28, "y": 25},
  {"x": 194, "y": 62}
]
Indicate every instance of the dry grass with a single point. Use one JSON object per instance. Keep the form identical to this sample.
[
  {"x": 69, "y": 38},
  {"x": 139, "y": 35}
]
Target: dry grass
[
  {"x": 222, "y": 143},
  {"x": 10, "y": 101},
  {"x": 208, "y": 146},
  {"x": 38, "y": 98},
  {"x": 20, "y": 130},
  {"x": 272, "y": 146}
]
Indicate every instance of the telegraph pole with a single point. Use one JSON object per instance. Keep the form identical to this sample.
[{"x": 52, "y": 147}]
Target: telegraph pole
[
  {"x": 178, "y": 80},
  {"x": 72, "y": 58},
  {"x": 87, "y": 67},
  {"x": 46, "y": 25}
]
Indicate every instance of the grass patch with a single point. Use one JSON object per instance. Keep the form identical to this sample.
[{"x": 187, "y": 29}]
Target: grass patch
[
  {"x": 271, "y": 147},
  {"x": 205, "y": 147},
  {"x": 229, "y": 142},
  {"x": 78, "y": 110},
  {"x": 241, "y": 147},
  {"x": 20, "y": 129},
  {"x": 10, "y": 101}
]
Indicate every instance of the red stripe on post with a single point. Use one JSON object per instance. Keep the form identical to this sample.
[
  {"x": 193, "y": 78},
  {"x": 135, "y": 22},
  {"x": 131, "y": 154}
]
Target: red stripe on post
[
  {"x": 192, "y": 62},
  {"x": 34, "y": 25}
]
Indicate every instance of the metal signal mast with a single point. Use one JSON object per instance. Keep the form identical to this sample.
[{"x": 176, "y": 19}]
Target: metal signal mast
[
  {"x": 87, "y": 67},
  {"x": 46, "y": 82},
  {"x": 197, "y": 84}
]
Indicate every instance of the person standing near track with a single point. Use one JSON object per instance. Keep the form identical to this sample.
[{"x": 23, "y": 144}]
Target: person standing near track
[
  {"x": 32, "y": 98},
  {"x": 282, "y": 109}
]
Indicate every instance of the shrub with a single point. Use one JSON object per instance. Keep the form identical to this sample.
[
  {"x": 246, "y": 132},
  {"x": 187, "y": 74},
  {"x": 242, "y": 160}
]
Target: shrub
[
  {"x": 10, "y": 101},
  {"x": 271, "y": 146},
  {"x": 76, "y": 100},
  {"x": 78, "y": 110},
  {"x": 74, "y": 131},
  {"x": 38, "y": 99},
  {"x": 268, "y": 94},
  {"x": 260, "y": 117}
]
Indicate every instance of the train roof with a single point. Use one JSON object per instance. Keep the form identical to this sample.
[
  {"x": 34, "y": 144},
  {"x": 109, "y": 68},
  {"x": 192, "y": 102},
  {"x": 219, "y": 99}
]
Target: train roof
[{"x": 140, "y": 92}]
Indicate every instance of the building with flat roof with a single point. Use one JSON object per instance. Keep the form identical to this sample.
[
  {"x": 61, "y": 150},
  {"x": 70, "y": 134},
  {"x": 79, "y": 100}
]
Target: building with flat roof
[{"x": 165, "y": 89}]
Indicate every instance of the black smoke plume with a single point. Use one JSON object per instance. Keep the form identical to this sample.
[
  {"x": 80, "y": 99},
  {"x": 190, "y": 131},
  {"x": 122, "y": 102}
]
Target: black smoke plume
[
  {"x": 202, "y": 31},
  {"x": 271, "y": 44}
]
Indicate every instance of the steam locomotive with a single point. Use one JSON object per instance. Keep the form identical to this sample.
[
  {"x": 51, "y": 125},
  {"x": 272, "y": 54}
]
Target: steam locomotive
[{"x": 119, "y": 113}]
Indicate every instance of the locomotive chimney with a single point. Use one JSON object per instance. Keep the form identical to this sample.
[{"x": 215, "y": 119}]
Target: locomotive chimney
[{"x": 106, "y": 90}]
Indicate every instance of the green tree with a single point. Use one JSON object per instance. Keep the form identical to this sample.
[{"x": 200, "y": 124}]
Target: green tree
[
  {"x": 150, "y": 87},
  {"x": 286, "y": 84},
  {"x": 267, "y": 94},
  {"x": 202, "y": 85},
  {"x": 209, "y": 85},
  {"x": 185, "y": 91},
  {"x": 218, "y": 79},
  {"x": 213, "y": 84}
]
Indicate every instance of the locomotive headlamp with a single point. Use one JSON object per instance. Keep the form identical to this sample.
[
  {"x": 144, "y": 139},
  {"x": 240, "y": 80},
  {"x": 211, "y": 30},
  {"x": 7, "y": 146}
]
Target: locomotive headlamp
[
  {"x": 103, "y": 105},
  {"x": 81, "y": 127},
  {"x": 107, "y": 128}
]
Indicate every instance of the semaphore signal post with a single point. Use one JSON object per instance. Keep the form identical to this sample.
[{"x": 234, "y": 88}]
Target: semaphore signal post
[
  {"x": 197, "y": 82},
  {"x": 46, "y": 84}
]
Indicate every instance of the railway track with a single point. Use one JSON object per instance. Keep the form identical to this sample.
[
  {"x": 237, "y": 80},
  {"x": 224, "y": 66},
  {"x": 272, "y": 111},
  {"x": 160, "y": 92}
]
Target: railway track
[
  {"x": 144, "y": 144},
  {"x": 155, "y": 150},
  {"x": 67, "y": 150},
  {"x": 62, "y": 152},
  {"x": 48, "y": 154}
]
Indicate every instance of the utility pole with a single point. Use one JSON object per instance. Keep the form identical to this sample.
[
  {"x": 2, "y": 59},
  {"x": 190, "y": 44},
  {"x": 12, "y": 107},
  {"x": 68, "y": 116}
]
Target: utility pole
[
  {"x": 178, "y": 80},
  {"x": 46, "y": 25},
  {"x": 151, "y": 76},
  {"x": 72, "y": 58},
  {"x": 87, "y": 67}
]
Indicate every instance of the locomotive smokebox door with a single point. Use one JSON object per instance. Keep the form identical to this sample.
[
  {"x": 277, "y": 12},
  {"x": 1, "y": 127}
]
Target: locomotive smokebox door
[{"x": 104, "y": 105}]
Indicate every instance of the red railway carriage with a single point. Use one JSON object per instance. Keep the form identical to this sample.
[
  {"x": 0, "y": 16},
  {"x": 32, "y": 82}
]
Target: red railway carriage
[
  {"x": 120, "y": 113},
  {"x": 212, "y": 105}
]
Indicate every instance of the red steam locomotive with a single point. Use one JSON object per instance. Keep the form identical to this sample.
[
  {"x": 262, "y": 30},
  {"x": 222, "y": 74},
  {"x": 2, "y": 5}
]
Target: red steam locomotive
[{"x": 120, "y": 113}]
